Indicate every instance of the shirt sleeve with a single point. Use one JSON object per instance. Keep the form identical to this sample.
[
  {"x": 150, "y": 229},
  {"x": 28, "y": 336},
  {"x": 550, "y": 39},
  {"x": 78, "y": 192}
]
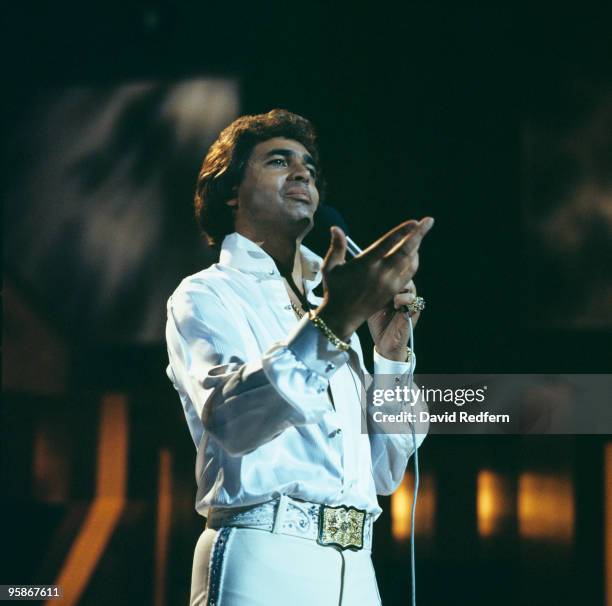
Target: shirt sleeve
[
  {"x": 244, "y": 403},
  {"x": 392, "y": 445}
]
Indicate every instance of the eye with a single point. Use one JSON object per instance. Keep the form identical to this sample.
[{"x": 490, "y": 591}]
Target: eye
[
  {"x": 278, "y": 162},
  {"x": 313, "y": 172}
]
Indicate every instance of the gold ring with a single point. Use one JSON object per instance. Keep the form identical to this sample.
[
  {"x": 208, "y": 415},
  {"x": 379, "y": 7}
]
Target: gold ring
[{"x": 417, "y": 305}]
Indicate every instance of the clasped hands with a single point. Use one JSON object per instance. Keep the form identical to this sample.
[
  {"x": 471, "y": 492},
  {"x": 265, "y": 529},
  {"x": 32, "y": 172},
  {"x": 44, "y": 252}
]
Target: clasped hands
[{"x": 373, "y": 286}]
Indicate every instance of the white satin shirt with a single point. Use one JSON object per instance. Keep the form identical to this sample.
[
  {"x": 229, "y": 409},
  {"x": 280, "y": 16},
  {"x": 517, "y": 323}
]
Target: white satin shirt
[{"x": 253, "y": 382}]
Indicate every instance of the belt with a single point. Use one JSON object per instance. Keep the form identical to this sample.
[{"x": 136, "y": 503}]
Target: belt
[{"x": 342, "y": 526}]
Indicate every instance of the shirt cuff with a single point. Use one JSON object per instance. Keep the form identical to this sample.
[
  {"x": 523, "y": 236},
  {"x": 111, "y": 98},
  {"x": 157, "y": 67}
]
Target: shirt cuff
[
  {"x": 315, "y": 350},
  {"x": 384, "y": 366}
]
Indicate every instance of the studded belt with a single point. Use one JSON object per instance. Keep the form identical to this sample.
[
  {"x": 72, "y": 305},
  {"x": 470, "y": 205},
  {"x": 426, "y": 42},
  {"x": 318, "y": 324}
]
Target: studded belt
[{"x": 341, "y": 526}]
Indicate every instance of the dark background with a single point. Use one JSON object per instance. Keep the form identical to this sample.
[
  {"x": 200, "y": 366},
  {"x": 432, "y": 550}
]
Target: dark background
[{"x": 489, "y": 118}]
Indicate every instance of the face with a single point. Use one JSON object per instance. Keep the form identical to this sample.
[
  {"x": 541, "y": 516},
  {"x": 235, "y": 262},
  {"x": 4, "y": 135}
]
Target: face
[{"x": 278, "y": 194}]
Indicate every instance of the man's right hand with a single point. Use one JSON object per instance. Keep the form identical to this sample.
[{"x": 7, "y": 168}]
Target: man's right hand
[{"x": 355, "y": 289}]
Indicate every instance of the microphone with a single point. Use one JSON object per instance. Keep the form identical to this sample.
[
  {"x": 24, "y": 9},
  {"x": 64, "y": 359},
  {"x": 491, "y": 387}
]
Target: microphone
[{"x": 319, "y": 237}]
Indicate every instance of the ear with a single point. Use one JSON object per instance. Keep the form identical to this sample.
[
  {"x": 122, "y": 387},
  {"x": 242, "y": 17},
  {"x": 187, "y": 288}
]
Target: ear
[{"x": 233, "y": 202}]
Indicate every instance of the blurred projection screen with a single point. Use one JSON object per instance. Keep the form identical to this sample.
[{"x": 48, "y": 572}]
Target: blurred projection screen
[
  {"x": 568, "y": 213},
  {"x": 98, "y": 219}
]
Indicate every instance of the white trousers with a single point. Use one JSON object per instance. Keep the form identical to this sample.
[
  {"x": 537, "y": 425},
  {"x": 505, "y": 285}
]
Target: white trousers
[{"x": 251, "y": 567}]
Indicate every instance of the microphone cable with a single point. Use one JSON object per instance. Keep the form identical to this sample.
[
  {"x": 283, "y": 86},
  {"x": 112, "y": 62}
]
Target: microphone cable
[
  {"x": 416, "y": 476},
  {"x": 354, "y": 250}
]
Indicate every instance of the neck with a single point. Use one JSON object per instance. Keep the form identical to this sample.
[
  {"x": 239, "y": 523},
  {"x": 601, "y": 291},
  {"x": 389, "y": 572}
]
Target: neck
[{"x": 283, "y": 249}]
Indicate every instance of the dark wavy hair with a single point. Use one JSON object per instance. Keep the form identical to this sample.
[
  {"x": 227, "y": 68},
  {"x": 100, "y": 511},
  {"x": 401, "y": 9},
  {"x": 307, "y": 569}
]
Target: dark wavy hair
[{"x": 224, "y": 164}]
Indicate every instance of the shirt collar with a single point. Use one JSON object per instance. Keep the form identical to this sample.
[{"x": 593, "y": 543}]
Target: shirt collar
[{"x": 247, "y": 256}]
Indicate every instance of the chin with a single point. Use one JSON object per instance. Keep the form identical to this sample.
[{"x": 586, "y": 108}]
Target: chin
[{"x": 300, "y": 226}]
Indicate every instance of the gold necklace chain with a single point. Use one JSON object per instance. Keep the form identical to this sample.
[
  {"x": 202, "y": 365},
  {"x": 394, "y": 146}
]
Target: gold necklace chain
[{"x": 299, "y": 312}]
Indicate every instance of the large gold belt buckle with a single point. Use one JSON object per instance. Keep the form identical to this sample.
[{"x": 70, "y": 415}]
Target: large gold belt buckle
[{"x": 341, "y": 526}]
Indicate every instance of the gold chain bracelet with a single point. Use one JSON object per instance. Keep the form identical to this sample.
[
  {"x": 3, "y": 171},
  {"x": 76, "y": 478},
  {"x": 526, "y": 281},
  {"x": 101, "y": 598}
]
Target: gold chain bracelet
[{"x": 339, "y": 343}]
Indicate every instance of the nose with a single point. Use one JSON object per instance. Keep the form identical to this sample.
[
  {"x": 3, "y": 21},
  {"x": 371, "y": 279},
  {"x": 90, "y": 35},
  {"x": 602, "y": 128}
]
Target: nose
[{"x": 300, "y": 172}]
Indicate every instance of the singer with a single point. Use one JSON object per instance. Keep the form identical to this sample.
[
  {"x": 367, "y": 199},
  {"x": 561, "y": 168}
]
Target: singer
[{"x": 270, "y": 377}]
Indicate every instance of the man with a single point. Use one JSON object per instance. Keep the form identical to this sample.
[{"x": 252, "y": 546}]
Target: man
[{"x": 270, "y": 377}]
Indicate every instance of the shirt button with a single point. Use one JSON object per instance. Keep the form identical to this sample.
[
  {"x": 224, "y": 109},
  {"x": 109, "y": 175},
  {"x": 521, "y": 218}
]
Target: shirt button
[
  {"x": 338, "y": 431},
  {"x": 271, "y": 272},
  {"x": 287, "y": 307}
]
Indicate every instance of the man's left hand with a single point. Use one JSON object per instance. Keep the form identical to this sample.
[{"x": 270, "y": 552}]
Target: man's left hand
[{"x": 389, "y": 326}]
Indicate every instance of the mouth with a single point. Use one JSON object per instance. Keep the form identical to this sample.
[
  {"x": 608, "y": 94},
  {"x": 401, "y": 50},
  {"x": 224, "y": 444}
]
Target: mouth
[{"x": 298, "y": 194}]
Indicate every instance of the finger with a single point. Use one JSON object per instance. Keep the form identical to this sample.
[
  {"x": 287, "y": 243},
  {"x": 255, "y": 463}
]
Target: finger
[
  {"x": 409, "y": 243},
  {"x": 384, "y": 244},
  {"x": 404, "y": 267},
  {"x": 336, "y": 254},
  {"x": 410, "y": 287},
  {"x": 403, "y": 299}
]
